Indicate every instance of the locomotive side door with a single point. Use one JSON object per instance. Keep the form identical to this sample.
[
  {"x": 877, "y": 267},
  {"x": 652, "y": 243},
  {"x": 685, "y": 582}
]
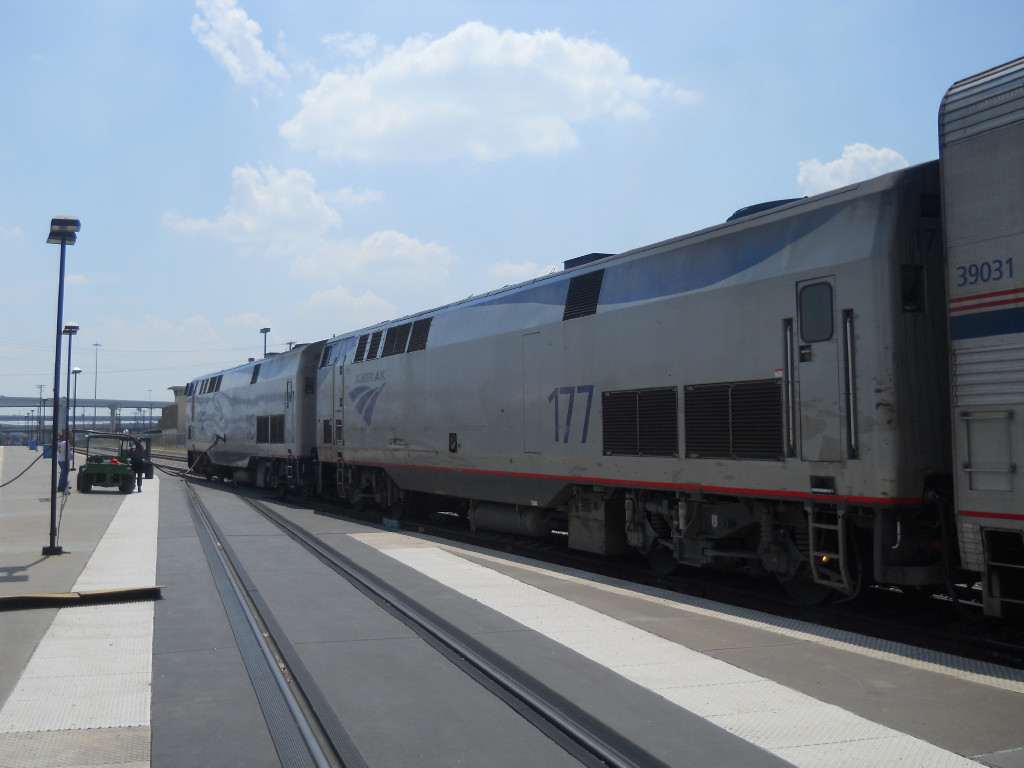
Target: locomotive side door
[
  {"x": 818, "y": 356},
  {"x": 339, "y": 407},
  {"x": 289, "y": 412}
]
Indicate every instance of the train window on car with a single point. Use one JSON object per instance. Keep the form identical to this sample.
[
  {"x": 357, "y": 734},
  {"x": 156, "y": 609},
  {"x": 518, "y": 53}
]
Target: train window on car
[
  {"x": 816, "y": 312},
  {"x": 255, "y": 373}
]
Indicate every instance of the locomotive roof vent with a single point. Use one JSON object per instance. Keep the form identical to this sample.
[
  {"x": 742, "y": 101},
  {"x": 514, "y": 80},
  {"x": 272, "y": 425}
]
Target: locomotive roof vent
[
  {"x": 579, "y": 261},
  {"x": 750, "y": 210}
]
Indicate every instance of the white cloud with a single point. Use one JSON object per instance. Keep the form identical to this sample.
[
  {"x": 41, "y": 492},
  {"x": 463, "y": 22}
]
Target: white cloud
[
  {"x": 267, "y": 205},
  {"x": 284, "y": 215},
  {"x": 508, "y": 273},
  {"x": 10, "y": 233},
  {"x": 233, "y": 39},
  {"x": 476, "y": 92},
  {"x": 247, "y": 320},
  {"x": 337, "y": 310},
  {"x": 348, "y": 44},
  {"x": 393, "y": 257},
  {"x": 858, "y": 162}
]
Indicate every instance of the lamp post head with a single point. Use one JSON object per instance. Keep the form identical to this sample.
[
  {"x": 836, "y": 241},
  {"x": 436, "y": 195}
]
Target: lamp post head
[
  {"x": 264, "y": 330},
  {"x": 63, "y": 229},
  {"x": 70, "y": 329},
  {"x": 76, "y": 370}
]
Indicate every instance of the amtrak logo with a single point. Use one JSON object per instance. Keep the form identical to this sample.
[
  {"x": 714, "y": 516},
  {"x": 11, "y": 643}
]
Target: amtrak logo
[{"x": 365, "y": 398}]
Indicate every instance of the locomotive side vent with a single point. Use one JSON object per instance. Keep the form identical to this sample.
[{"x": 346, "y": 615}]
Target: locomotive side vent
[
  {"x": 396, "y": 339},
  {"x": 641, "y": 422},
  {"x": 584, "y": 291},
  {"x": 734, "y": 420},
  {"x": 371, "y": 353},
  {"x": 420, "y": 331},
  {"x": 361, "y": 348}
]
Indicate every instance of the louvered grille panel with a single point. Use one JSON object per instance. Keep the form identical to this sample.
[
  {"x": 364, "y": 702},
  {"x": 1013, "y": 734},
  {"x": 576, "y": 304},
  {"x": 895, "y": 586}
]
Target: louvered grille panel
[
  {"x": 739, "y": 420},
  {"x": 641, "y": 422},
  {"x": 361, "y": 347},
  {"x": 396, "y": 339},
  {"x": 328, "y": 432},
  {"x": 371, "y": 353},
  {"x": 706, "y": 417},
  {"x": 658, "y": 417},
  {"x": 277, "y": 428},
  {"x": 620, "y": 423},
  {"x": 420, "y": 332},
  {"x": 584, "y": 292},
  {"x": 757, "y": 419}
]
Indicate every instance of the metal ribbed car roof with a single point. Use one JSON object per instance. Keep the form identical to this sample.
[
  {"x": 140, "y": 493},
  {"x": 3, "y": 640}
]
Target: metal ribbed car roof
[{"x": 982, "y": 102}]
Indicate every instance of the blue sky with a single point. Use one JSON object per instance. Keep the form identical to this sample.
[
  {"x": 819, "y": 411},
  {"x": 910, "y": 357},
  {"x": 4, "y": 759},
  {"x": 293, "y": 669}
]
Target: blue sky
[{"x": 317, "y": 166}]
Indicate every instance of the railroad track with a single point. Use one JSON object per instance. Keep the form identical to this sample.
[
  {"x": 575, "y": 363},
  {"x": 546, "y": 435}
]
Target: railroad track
[
  {"x": 305, "y": 729},
  {"x": 934, "y": 622}
]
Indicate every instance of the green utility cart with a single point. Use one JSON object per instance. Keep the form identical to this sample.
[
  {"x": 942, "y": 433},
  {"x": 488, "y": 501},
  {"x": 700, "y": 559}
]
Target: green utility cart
[{"x": 108, "y": 462}]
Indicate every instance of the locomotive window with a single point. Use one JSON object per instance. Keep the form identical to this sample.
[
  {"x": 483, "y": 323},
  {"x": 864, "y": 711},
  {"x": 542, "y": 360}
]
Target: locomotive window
[
  {"x": 816, "y": 312},
  {"x": 325, "y": 357},
  {"x": 255, "y": 373}
]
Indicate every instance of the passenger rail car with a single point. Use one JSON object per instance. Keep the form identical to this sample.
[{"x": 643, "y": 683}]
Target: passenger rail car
[
  {"x": 981, "y": 148},
  {"x": 771, "y": 395}
]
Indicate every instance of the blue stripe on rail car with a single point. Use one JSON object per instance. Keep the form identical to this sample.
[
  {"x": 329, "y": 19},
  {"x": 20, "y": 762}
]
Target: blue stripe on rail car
[{"x": 994, "y": 323}]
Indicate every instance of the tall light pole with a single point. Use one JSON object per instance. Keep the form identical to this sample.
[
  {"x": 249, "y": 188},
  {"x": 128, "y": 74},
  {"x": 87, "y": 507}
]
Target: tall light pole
[
  {"x": 264, "y": 331},
  {"x": 74, "y": 410},
  {"x": 42, "y": 411},
  {"x": 69, "y": 330},
  {"x": 62, "y": 230},
  {"x": 95, "y": 378}
]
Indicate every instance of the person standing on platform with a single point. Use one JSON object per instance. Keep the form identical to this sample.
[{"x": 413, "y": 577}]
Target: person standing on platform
[
  {"x": 62, "y": 461},
  {"x": 138, "y": 457}
]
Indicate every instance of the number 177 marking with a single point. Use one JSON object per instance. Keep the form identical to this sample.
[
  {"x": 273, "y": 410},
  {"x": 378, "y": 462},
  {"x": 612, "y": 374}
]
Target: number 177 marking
[{"x": 557, "y": 394}]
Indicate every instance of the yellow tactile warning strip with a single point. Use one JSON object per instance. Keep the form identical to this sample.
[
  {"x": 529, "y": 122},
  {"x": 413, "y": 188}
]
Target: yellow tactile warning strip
[{"x": 87, "y": 688}]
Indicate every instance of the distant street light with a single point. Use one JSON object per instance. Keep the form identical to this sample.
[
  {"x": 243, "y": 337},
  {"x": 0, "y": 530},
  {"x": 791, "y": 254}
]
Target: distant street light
[
  {"x": 62, "y": 230},
  {"x": 42, "y": 411},
  {"x": 74, "y": 410},
  {"x": 264, "y": 331},
  {"x": 69, "y": 330},
  {"x": 95, "y": 378}
]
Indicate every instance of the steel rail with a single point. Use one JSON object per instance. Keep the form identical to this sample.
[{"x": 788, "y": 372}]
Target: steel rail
[
  {"x": 552, "y": 713},
  {"x": 290, "y": 730}
]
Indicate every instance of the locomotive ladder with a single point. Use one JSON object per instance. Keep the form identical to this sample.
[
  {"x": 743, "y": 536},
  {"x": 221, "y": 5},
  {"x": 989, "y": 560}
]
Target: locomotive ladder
[{"x": 827, "y": 546}]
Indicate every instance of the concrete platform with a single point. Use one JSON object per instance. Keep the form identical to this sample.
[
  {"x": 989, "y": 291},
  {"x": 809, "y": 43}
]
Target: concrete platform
[{"x": 696, "y": 683}]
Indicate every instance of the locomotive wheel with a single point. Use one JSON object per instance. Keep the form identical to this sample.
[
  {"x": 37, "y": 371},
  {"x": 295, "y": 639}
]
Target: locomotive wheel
[{"x": 661, "y": 560}]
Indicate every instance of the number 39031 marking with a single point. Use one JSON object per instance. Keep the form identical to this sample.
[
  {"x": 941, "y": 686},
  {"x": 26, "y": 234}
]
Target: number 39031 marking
[{"x": 984, "y": 272}]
